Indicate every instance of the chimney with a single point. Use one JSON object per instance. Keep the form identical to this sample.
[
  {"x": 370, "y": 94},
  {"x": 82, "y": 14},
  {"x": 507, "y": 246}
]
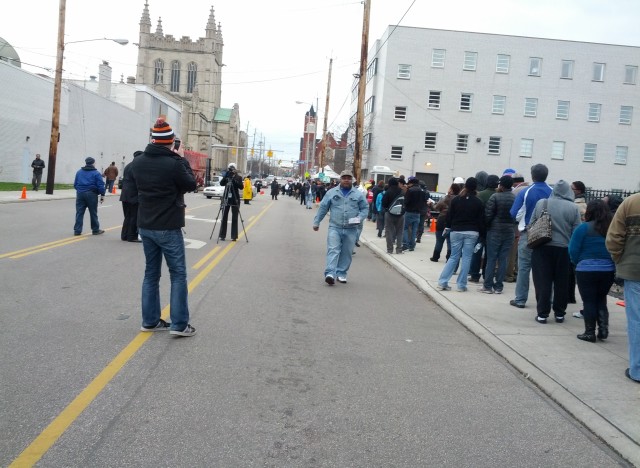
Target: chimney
[
  {"x": 104, "y": 83},
  {"x": 131, "y": 80}
]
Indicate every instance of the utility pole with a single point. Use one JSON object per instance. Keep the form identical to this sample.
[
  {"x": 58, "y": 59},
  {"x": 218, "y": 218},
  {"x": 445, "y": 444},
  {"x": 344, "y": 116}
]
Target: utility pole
[
  {"x": 323, "y": 143},
  {"x": 57, "y": 90},
  {"x": 362, "y": 83}
]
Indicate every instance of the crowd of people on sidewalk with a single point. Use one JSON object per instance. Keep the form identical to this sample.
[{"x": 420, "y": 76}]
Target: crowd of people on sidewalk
[{"x": 487, "y": 223}]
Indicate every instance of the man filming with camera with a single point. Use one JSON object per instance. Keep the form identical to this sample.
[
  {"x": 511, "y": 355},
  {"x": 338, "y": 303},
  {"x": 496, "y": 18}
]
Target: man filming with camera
[{"x": 230, "y": 199}]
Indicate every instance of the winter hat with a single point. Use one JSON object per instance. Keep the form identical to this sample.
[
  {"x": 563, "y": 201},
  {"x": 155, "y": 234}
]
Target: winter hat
[
  {"x": 162, "y": 133},
  {"x": 393, "y": 182},
  {"x": 471, "y": 183},
  {"x": 90, "y": 161},
  {"x": 492, "y": 181},
  {"x": 412, "y": 180},
  {"x": 506, "y": 182},
  {"x": 458, "y": 180},
  {"x": 509, "y": 172}
]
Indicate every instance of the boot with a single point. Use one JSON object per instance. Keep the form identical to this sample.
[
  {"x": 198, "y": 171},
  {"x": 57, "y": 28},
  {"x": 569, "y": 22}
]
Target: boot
[
  {"x": 603, "y": 324},
  {"x": 418, "y": 238},
  {"x": 589, "y": 331}
]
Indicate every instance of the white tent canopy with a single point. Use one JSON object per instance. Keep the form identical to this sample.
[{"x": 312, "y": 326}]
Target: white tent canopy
[{"x": 328, "y": 173}]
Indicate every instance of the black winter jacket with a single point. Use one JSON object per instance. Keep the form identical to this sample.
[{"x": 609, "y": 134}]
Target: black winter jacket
[
  {"x": 466, "y": 213},
  {"x": 497, "y": 211},
  {"x": 161, "y": 178},
  {"x": 414, "y": 201}
]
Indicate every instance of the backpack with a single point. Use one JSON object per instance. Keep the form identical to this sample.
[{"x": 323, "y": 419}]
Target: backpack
[{"x": 397, "y": 206}]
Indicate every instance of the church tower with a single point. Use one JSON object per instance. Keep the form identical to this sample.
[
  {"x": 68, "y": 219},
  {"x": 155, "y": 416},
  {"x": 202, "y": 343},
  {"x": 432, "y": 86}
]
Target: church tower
[{"x": 189, "y": 72}]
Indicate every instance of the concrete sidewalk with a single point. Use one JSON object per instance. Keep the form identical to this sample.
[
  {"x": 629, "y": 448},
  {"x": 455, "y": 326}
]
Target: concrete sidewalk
[
  {"x": 40, "y": 195},
  {"x": 586, "y": 379}
]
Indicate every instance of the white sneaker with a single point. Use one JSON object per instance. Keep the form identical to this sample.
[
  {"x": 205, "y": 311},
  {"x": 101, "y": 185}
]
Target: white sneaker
[
  {"x": 188, "y": 331},
  {"x": 577, "y": 314},
  {"x": 342, "y": 279}
]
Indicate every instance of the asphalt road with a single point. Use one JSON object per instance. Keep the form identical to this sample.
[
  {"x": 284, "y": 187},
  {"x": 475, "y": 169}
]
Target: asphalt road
[{"x": 284, "y": 371}]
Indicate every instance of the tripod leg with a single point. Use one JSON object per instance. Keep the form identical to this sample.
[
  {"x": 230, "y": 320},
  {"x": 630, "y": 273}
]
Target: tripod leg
[
  {"x": 242, "y": 223},
  {"x": 216, "y": 222}
]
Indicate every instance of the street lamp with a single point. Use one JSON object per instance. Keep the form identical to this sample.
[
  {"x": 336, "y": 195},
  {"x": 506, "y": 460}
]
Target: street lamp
[{"x": 57, "y": 88}]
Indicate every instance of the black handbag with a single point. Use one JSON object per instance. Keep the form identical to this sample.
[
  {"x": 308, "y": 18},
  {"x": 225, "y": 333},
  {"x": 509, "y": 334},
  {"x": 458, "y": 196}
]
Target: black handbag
[{"x": 539, "y": 232}]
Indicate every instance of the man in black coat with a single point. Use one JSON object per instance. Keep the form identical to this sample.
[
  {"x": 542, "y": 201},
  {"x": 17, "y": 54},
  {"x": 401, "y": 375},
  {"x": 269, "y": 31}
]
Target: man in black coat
[
  {"x": 38, "y": 166},
  {"x": 230, "y": 200},
  {"x": 129, "y": 199},
  {"x": 161, "y": 177}
]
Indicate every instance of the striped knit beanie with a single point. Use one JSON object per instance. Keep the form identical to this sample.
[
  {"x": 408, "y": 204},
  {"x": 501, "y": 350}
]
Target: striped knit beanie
[{"x": 162, "y": 133}]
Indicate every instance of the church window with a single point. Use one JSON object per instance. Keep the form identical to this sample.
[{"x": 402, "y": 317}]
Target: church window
[
  {"x": 159, "y": 71},
  {"x": 192, "y": 73},
  {"x": 175, "y": 76}
]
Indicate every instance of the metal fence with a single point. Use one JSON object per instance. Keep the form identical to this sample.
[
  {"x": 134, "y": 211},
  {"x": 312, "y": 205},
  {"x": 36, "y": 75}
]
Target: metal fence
[{"x": 594, "y": 194}]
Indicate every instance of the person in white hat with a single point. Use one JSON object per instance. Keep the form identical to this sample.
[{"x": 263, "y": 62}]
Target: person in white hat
[{"x": 347, "y": 208}]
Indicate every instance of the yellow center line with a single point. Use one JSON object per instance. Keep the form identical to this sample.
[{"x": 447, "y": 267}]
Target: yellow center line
[
  {"x": 45, "y": 440},
  {"x": 206, "y": 258}
]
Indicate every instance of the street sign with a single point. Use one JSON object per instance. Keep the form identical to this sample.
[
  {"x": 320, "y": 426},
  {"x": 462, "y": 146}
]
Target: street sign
[{"x": 321, "y": 175}]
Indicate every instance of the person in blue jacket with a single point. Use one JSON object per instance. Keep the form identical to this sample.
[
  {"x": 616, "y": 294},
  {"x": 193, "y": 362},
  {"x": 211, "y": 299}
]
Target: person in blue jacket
[{"x": 88, "y": 184}]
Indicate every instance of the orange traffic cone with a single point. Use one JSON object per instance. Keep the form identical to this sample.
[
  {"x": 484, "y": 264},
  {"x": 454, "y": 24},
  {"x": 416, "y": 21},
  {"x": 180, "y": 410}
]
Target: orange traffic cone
[
  {"x": 432, "y": 228},
  {"x": 24, "y": 193},
  {"x": 114, "y": 189}
]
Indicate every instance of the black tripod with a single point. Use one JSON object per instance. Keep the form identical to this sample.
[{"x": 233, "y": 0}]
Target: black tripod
[{"x": 229, "y": 203}]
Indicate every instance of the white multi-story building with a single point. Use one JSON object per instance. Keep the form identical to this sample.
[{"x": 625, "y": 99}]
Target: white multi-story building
[{"x": 442, "y": 104}]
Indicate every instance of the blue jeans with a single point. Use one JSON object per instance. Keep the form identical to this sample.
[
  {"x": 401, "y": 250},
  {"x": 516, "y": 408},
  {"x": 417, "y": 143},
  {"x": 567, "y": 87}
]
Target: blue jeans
[
  {"x": 462, "y": 244},
  {"x": 170, "y": 244},
  {"x": 498, "y": 246},
  {"x": 632, "y": 308},
  {"x": 411, "y": 222},
  {"x": 86, "y": 200},
  {"x": 340, "y": 244},
  {"x": 109, "y": 185},
  {"x": 524, "y": 269}
]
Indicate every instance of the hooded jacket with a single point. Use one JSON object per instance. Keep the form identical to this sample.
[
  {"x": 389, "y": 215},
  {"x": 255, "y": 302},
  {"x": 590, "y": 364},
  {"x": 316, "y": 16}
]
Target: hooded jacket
[
  {"x": 564, "y": 213},
  {"x": 161, "y": 178},
  {"x": 88, "y": 179}
]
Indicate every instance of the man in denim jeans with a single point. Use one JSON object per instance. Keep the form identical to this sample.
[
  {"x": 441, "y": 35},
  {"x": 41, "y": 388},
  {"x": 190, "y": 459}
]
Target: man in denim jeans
[
  {"x": 521, "y": 211},
  {"x": 162, "y": 177},
  {"x": 347, "y": 208}
]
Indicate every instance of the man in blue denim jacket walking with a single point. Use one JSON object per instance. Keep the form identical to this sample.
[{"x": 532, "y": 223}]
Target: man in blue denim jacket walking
[{"x": 347, "y": 208}]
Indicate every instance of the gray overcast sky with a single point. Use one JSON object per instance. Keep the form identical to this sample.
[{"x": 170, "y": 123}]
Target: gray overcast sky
[{"x": 277, "y": 52}]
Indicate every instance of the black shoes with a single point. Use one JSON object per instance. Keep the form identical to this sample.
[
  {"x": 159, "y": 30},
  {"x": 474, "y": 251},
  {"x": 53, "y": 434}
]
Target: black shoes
[
  {"x": 541, "y": 319},
  {"x": 357, "y": 244},
  {"x": 433, "y": 259},
  {"x": 516, "y": 304},
  {"x": 98, "y": 232}
]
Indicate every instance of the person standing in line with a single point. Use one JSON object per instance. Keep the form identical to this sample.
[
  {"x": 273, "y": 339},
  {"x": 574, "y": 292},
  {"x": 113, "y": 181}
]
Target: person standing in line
[
  {"x": 110, "y": 174},
  {"x": 347, "y": 208},
  {"x": 305, "y": 192},
  {"x": 393, "y": 223},
  {"x": 414, "y": 203},
  {"x": 465, "y": 220},
  {"x": 521, "y": 211},
  {"x": 594, "y": 268},
  {"x": 550, "y": 262},
  {"x": 425, "y": 213},
  {"x": 380, "y": 210},
  {"x": 442, "y": 207},
  {"x": 38, "y": 166},
  {"x": 232, "y": 181},
  {"x": 275, "y": 189},
  {"x": 375, "y": 191},
  {"x": 161, "y": 176},
  {"x": 623, "y": 243},
  {"x": 518, "y": 185},
  {"x": 88, "y": 184},
  {"x": 129, "y": 199},
  {"x": 500, "y": 237},
  {"x": 476, "y": 270},
  {"x": 247, "y": 191}
]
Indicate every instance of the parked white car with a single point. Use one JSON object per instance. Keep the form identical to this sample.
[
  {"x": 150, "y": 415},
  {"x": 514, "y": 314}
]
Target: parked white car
[{"x": 213, "y": 191}]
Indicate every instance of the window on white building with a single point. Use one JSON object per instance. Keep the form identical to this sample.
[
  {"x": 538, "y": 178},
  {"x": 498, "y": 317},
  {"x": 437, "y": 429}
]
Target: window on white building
[
  {"x": 590, "y": 150},
  {"x": 158, "y": 74},
  {"x": 437, "y": 58},
  {"x": 630, "y": 74},
  {"x": 557, "y": 150},
  {"x": 404, "y": 72},
  {"x": 594, "y": 112},
  {"x": 626, "y": 112},
  {"x": 502, "y": 63},
  {"x": 499, "y": 104},
  {"x": 175, "y": 76},
  {"x": 462, "y": 142},
  {"x": 430, "y": 140},
  {"x": 372, "y": 69},
  {"x": 400, "y": 113},
  {"x": 535, "y": 66},
  {"x": 526, "y": 148},
  {"x": 566, "y": 69},
  {"x": 494, "y": 144},
  {"x": 434, "y": 99},
  {"x": 366, "y": 141},
  {"x": 621, "y": 154},
  {"x": 562, "y": 110},
  {"x": 396, "y": 152},
  {"x": 466, "y": 101},
  {"x": 598, "y": 71},
  {"x": 470, "y": 61},
  {"x": 530, "y": 107},
  {"x": 192, "y": 76},
  {"x": 369, "y": 105}
]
